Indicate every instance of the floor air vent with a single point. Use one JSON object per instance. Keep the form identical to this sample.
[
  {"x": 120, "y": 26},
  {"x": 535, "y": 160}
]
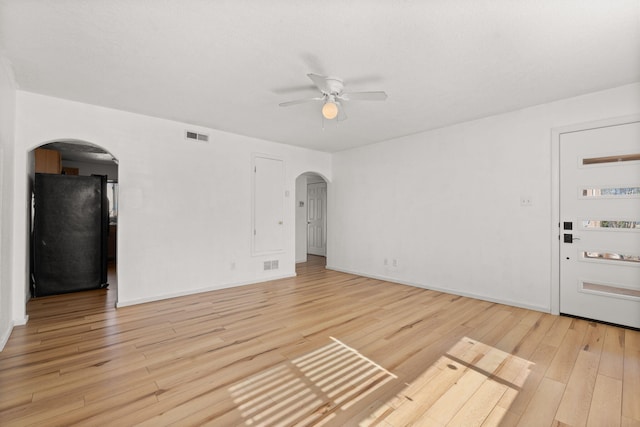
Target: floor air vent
[{"x": 197, "y": 136}]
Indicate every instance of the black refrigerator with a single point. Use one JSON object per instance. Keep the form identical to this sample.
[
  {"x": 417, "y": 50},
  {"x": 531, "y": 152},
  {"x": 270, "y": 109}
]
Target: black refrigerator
[{"x": 70, "y": 233}]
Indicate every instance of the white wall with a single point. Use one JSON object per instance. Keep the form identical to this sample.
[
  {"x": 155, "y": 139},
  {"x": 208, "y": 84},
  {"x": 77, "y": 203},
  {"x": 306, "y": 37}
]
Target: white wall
[
  {"x": 7, "y": 135},
  {"x": 446, "y": 203},
  {"x": 185, "y": 207}
]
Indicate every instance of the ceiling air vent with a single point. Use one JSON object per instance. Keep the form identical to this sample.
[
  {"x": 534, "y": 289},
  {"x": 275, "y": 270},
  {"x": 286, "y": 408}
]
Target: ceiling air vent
[{"x": 197, "y": 136}]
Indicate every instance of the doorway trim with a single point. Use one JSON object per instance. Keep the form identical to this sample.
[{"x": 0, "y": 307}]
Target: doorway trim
[
  {"x": 556, "y": 134},
  {"x": 298, "y": 232},
  {"x": 29, "y": 151}
]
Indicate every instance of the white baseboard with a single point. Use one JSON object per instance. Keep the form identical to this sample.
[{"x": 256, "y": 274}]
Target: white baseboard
[
  {"x": 120, "y": 304},
  {"x": 21, "y": 321},
  {"x": 5, "y": 336},
  {"x": 446, "y": 290}
]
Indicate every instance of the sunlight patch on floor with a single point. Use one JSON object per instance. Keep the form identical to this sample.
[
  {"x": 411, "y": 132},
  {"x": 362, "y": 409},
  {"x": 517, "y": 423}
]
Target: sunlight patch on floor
[
  {"x": 471, "y": 384},
  {"x": 309, "y": 389}
]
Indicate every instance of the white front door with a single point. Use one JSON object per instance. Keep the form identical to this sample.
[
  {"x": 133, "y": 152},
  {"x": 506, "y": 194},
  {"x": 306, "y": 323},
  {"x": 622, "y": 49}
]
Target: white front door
[
  {"x": 600, "y": 224},
  {"x": 316, "y": 218}
]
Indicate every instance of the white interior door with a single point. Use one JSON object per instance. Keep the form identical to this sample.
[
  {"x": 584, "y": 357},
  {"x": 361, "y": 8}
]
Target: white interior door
[
  {"x": 317, "y": 218},
  {"x": 600, "y": 224},
  {"x": 268, "y": 205}
]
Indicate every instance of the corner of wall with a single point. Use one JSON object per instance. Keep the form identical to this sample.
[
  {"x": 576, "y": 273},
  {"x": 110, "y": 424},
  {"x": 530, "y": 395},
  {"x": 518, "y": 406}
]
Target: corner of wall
[{"x": 7, "y": 148}]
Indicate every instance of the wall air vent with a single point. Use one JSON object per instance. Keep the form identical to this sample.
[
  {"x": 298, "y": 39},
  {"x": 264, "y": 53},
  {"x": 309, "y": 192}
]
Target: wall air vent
[
  {"x": 196, "y": 136},
  {"x": 271, "y": 265}
]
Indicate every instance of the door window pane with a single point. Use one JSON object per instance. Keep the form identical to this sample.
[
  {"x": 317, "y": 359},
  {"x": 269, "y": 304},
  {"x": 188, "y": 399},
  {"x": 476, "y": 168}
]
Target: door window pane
[
  {"x": 611, "y": 159},
  {"x": 610, "y": 289},
  {"x": 610, "y": 256},
  {"x": 606, "y": 224},
  {"x": 611, "y": 192}
]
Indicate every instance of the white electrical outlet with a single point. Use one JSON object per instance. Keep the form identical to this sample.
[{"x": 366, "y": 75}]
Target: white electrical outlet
[{"x": 526, "y": 201}]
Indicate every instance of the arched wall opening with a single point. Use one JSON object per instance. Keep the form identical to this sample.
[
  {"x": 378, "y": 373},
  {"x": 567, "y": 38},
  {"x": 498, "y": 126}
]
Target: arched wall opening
[
  {"x": 82, "y": 159},
  {"x": 311, "y": 216}
]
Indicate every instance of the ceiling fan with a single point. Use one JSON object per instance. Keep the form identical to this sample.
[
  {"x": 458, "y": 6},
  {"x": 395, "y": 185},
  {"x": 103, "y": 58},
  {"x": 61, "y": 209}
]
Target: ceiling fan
[{"x": 333, "y": 96}]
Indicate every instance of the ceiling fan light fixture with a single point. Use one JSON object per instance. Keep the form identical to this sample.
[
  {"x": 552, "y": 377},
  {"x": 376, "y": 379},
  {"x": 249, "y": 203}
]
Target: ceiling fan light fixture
[{"x": 330, "y": 110}]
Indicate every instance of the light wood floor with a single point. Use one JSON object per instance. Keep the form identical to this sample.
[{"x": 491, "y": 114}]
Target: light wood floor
[{"x": 322, "y": 348}]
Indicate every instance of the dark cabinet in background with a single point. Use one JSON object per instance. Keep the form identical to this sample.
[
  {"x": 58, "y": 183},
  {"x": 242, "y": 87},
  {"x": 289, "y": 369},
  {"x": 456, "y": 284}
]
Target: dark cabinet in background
[{"x": 70, "y": 234}]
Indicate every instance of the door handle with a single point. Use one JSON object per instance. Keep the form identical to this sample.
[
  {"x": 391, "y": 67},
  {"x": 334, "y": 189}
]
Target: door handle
[{"x": 569, "y": 238}]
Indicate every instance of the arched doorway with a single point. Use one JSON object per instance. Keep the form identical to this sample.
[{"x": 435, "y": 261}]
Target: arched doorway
[
  {"x": 311, "y": 217},
  {"x": 62, "y": 168}
]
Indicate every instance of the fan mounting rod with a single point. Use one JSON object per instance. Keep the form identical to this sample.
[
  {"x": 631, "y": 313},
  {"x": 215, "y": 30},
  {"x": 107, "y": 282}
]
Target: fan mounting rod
[{"x": 334, "y": 85}]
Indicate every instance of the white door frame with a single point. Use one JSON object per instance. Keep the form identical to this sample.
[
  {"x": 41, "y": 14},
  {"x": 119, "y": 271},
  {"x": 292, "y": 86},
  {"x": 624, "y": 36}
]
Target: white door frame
[{"x": 555, "y": 195}]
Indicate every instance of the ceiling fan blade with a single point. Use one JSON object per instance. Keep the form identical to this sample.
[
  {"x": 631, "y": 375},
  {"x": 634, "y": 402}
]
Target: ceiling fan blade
[
  {"x": 364, "y": 96},
  {"x": 320, "y": 82},
  {"x": 299, "y": 101},
  {"x": 342, "y": 115},
  {"x": 292, "y": 89}
]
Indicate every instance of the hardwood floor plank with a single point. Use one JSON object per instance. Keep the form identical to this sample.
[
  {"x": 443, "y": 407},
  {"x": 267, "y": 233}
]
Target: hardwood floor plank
[
  {"x": 594, "y": 337},
  {"x": 477, "y": 409},
  {"x": 168, "y": 412},
  {"x": 535, "y": 336},
  {"x": 606, "y": 403},
  {"x": 35, "y": 414},
  {"x": 542, "y": 408},
  {"x": 557, "y": 334},
  {"x": 436, "y": 346},
  {"x": 75, "y": 386},
  {"x": 322, "y": 348},
  {"x": 14, "y": 401},
  {"x": 109, "y": 410},
  {"x": 475, "y": 372},
  {"x": 628, "y": 422},
  {"x": 631, "y": 379},
  {"x": 517, "y": 402},
  {"x": 500, "y": 417},
  {"x": 612, "y": 359},
  {"x": 562, "y": 364},
  {"x": 576, "y": 401}
]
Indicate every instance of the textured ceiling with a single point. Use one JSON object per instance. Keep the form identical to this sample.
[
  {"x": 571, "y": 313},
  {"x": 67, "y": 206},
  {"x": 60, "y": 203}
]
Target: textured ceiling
[{"x": 228, "y": 64}]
